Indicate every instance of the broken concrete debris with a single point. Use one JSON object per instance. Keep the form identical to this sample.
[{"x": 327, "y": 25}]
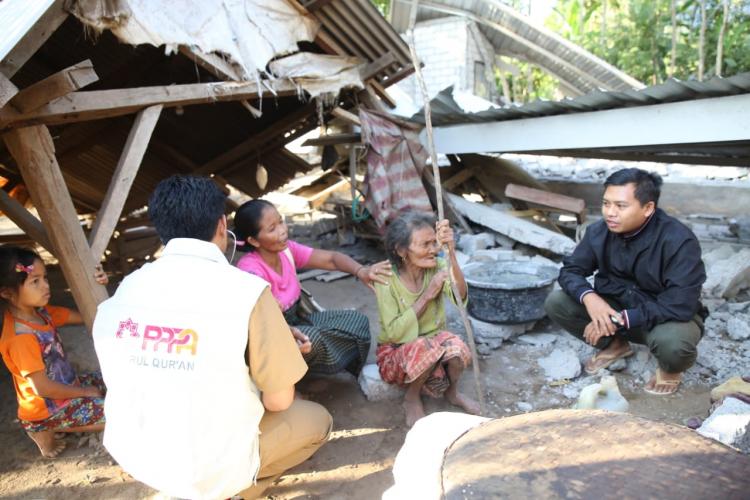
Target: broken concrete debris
[
  {"x": 374, "y": 388},
  {"x": 471, "y": 243},
  {"x": 561, "y": 364},
  {"x": 727, "y": 272},
  {"x": 513, "y": 227},
  {"x": 729, "y": 423}
]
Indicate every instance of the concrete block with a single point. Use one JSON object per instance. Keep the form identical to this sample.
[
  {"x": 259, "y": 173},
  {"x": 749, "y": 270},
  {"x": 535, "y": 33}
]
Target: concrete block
[
  {"x": 484, "y": 331},
  {"x": 729, "y": 423},
  {"x": 561, "y": 364},
  {"x": 726, "y": 277},
  {"x": 538, "y": 339},
  {"x": 738, "y": 327},
  {"x": 373, "y": 386},
  {"x": 470, "y": 243},
  {"x": 524, "y": 406},
  {"x": 518, "y": 229}
]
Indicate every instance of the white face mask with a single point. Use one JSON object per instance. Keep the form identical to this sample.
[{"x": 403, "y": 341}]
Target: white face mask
[{"x": 231, "y": 247}]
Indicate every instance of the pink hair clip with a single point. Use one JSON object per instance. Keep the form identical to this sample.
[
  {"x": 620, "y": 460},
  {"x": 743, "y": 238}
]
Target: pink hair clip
[{"x": 20, "y": 268}]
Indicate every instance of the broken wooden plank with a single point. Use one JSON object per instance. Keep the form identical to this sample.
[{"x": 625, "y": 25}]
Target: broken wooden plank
[
  {"x": 518, "y": 229},
  {"x": 462, "y": 176},
  {"x": 58, "y": 85},
  {"x": 25, "y": 220},
  {"x": 34, "y": 152},
  {"x": 546, "y": 198},
  {"x": 122, "y": 179},
  {"x": 381, "y": 92},
  {"x": 347, "y": 116},
  {"x": 220, "y": 68},
  {"x": 92, "y": 105},
  {"x": 333, "y": 139},
  {"x": 33, "y": 39}
]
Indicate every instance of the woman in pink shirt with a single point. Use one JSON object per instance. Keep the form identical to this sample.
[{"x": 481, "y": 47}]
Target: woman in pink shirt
[{"x": 331, "y": 340}]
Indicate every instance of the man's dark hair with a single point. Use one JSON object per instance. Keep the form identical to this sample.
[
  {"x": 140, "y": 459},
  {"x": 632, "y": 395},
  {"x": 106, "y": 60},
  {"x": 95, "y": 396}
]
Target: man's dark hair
[
  {"x": 186, "y": 206},
  {"x": 647, "y": 184}
]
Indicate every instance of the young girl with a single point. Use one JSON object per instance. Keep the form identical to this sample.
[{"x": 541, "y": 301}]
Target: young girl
[
  {"x": 331, "y": 340},
  {"x": 51, "y": 398}
]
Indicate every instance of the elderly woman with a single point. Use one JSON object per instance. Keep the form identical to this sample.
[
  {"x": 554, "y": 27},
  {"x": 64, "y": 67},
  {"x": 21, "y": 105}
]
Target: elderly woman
[
  {"x": 414, "y": 348},
  {"x": 330, "y": 341}
]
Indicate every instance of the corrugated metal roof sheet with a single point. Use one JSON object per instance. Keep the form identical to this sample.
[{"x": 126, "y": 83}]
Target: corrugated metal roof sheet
[
  {"x": 16, "y": 18},
  {"x": 514, "y": 34},
  {"x": 445, "y": 110}
]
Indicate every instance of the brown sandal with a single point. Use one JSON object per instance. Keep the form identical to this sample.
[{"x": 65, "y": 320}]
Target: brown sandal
[
  {"x": 672, "y": 385},
  {"x": 599, "y": 361}
]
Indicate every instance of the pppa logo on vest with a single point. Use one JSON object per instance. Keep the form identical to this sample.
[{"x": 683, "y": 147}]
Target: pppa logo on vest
[{"x": 176, "y": 342}]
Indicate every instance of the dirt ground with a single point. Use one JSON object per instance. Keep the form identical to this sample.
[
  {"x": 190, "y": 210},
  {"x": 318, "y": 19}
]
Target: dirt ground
[{"x": 357, "y": 461}]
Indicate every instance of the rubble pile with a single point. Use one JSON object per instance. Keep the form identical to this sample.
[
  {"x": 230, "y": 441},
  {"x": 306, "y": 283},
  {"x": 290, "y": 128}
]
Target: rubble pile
[
  {"x": 596, "y": 170},
  {"x": 724, "y": 350}
]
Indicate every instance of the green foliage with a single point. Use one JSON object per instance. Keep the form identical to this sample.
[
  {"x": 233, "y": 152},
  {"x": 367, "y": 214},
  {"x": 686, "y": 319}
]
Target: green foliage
[
  {"x": 636, "y": 35},
  {"x": 382, "y": 5}
]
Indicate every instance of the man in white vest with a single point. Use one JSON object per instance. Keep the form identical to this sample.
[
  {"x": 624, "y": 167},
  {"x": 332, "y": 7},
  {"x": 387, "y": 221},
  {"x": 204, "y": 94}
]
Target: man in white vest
[{"x": 199, "y": 363}]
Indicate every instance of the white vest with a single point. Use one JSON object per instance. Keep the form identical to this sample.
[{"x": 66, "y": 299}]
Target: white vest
[{"x": 182, "y": 412}]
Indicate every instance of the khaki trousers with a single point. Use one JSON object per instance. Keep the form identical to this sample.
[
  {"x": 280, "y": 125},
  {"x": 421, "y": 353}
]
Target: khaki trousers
[{"x": 288, "y": 438}]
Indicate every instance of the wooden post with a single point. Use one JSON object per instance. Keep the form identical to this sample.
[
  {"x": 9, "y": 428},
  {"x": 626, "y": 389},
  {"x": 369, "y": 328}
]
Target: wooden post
[
  {"x": 24, "y": 220},
  {"x": 122, "y": 179},
  {"x": 34, "y": 152}
]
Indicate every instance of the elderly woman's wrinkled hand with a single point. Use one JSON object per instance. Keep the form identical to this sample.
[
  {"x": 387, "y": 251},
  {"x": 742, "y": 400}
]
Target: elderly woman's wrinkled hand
[
  {"x": 444, "y": 234},
  {"x": 435, "y": 287},
  {"x": 378, "y": 272}
]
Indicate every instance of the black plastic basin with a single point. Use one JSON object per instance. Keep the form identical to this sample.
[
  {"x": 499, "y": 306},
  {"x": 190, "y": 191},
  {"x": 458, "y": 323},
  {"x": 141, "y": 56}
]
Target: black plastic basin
[{"x": 508, "y": 291}]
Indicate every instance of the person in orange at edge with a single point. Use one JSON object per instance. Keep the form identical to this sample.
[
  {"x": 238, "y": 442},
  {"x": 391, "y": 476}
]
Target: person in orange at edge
[
  {"x": 199, "y": 363},
  {"x": 51, "y": 396}
]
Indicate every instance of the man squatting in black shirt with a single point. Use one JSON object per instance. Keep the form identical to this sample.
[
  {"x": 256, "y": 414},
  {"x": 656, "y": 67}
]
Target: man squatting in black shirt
[{"x": 647, "y": 285}]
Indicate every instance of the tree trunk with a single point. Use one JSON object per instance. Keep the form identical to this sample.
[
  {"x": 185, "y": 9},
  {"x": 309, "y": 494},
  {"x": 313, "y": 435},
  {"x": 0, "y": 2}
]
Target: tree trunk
[
  {"x": 603, "y": 32},
  {"x": 702, "y": 42},
  {"x": 720, "y": 41},
  {"x": 673, "y": 53}
]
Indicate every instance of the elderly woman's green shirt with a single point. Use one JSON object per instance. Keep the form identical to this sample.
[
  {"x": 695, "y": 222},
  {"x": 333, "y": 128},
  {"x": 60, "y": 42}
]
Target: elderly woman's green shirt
[{"x": 398, "y": 321}]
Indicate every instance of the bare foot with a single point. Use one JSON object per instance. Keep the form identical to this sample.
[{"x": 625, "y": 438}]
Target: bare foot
[
  {"x": 47, "y": 443},
  {"x": 466, "y": 403},
  {"x": 414, "y": 410}
]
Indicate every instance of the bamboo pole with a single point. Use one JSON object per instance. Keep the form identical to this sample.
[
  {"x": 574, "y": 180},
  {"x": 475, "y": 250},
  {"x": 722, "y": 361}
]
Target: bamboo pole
[{"x": 439, "y": 201}]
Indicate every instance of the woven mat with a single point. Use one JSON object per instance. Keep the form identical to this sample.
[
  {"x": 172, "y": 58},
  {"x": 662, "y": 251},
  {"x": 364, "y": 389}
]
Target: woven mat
[{"x": 591, "y": 454}]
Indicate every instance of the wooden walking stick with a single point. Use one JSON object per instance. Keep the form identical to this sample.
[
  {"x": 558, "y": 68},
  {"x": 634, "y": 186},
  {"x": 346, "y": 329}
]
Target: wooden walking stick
[{"x": 439, "y": 201}]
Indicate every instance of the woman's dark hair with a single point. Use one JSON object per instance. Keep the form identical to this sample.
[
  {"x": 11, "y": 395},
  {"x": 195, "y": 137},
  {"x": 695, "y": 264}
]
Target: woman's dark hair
[
  {"x": 247, "y": 221},
  {"x": 186, "y": 206},
  {"x": 10, "y": 257},
  {"x": 647, "y": 184},
  {"x": 398, "y": 234}
]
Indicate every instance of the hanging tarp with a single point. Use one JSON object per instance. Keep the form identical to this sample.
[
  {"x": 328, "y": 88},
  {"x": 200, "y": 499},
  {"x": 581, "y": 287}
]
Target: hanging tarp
[
  {"x": 395, "y": 161},
  {"x": 249, "y": 32}
]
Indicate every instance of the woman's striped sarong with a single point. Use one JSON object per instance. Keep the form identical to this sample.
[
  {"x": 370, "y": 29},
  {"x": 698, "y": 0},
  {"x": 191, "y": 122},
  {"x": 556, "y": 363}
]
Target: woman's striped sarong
[
  {"x": 402, "y": 364},
  {"x": 340, "y": 339}
]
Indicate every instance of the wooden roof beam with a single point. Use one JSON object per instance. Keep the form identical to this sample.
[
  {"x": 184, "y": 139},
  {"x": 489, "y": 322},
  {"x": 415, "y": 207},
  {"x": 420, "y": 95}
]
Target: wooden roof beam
[
  {"x": 97, "y": 104},
  {"x": 60, "y": 84},
  {"x": 122, "y": 179},
  {"x": 25, "y": 220},
  {"x": 93, "y": 105}
]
